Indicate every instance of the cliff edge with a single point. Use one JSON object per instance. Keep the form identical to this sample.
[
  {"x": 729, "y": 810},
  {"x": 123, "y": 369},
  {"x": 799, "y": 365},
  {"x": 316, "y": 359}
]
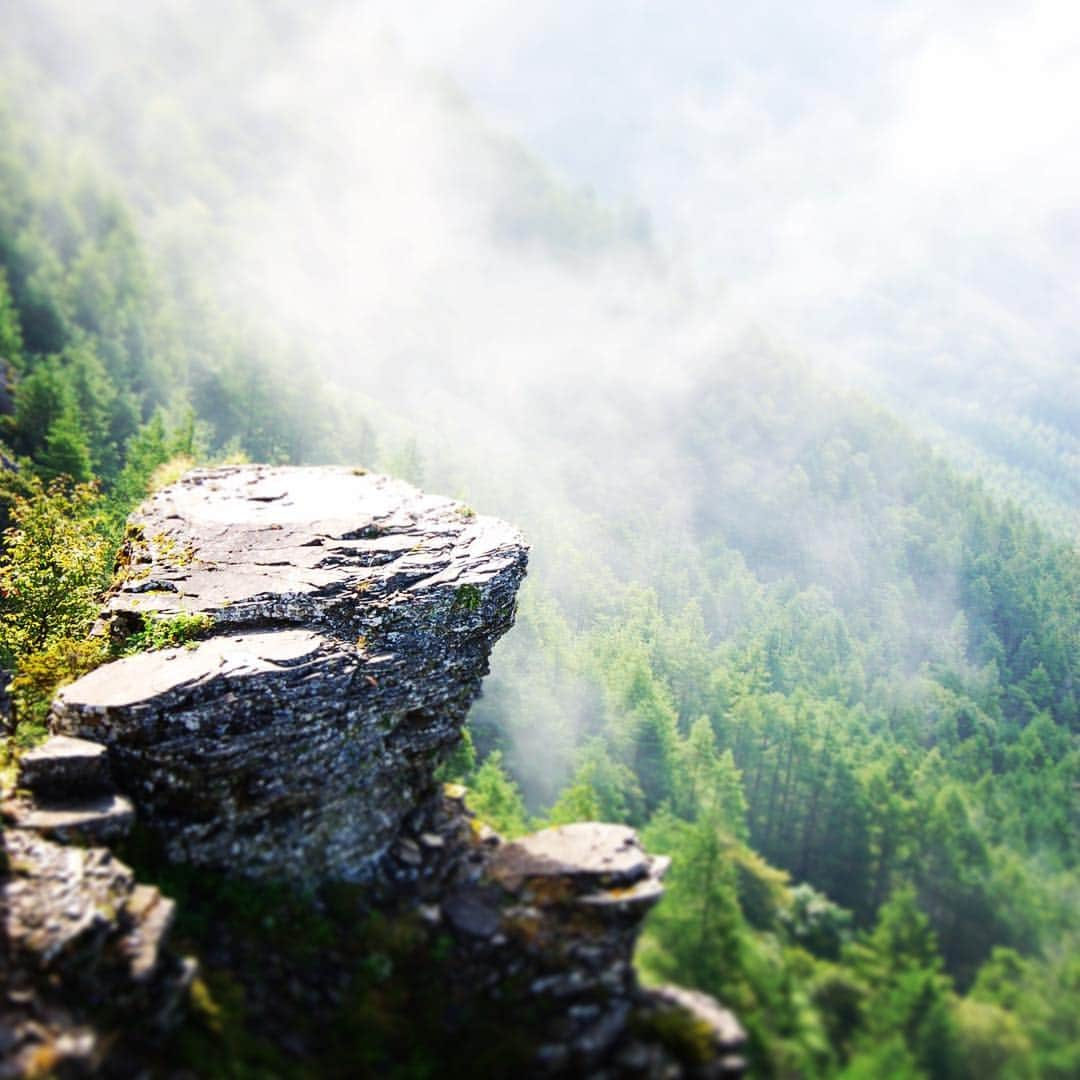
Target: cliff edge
[
  {"x": 348, "y": 621},
  {"x": 300, "y": 647}
]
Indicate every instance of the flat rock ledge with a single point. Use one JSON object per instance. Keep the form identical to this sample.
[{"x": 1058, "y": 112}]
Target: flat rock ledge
[{"x": 347, "y": 622}]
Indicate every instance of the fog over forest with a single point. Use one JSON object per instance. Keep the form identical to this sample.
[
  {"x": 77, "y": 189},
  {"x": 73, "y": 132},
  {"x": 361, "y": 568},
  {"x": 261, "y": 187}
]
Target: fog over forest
[
  {"x": 883, "y": 189},
  {"x": 762, "y": 325},
  {"x": 882, "y": 185}
]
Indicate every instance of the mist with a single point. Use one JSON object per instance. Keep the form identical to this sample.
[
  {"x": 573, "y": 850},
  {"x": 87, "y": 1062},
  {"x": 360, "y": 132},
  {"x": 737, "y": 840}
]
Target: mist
[
  {"x": 816, "y": 162},
  {"x": 532, "y": 240}
]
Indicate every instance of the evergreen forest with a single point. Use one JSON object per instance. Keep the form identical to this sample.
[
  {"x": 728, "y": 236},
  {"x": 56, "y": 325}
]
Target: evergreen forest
[{"x": 826, "y": 659}]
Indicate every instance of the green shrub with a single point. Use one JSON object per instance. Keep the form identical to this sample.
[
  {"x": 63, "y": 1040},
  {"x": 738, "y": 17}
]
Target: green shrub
[{"x": 161, "y": 632}]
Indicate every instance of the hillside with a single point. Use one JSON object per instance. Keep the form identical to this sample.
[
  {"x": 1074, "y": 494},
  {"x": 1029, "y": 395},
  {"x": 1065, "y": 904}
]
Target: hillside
[{"x": 828, "y": 661}]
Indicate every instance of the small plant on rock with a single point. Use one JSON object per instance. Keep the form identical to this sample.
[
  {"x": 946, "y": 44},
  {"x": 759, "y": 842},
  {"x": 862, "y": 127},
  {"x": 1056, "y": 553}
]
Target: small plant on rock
[
  {"x": 467, "y": 597},
  {"x": 160, "y": 632}
]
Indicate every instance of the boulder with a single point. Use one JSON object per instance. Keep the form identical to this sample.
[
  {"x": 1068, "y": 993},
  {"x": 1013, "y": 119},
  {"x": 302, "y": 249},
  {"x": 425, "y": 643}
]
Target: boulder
[
  {"x": 343, "y": 623},
  {"x": 82, "y": 956}
]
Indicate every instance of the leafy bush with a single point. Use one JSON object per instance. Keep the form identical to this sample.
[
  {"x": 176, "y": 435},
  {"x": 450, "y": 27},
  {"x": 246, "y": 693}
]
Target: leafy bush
[
  {"x": 43, "y": 672},
  {"x": 55, "y": 564}
]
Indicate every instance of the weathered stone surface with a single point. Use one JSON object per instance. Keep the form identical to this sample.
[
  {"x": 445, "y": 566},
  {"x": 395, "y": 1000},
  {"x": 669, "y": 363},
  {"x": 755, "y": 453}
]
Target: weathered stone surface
[
  {"x": 544, "y": 930},
  {"x": 62, "y": 766},
  {"x": 472, "y": 911},
  {"x": 727, "y": 1031},
  {"x": 92, "y": 819},
  {"x": 81, "y": 957},
  {"x": 588, "y": 854},
  {"x": 352, "y": 617}
]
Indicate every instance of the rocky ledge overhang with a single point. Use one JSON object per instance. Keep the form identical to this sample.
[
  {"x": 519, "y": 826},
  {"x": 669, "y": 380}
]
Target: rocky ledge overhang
[{"x": 351, "y": 618}]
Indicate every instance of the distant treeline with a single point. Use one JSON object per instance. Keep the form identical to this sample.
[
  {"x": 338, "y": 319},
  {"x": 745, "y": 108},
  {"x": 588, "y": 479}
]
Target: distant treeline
[{"x": 844, "y": 696}]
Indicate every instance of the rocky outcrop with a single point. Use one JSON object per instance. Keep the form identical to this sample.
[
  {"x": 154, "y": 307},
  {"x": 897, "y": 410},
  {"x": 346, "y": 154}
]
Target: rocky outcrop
[
  {"x": 350, "y": 622},
  {"x": 340, "y": 625},
  {"x": 85, "y": 968},
  {"x": 67, "y": 794},
  {"x": 544, "y": 930},
  {"x": 82, "y": 957}
]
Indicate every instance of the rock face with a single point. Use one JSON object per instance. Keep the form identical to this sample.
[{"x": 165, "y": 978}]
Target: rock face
[
  {"x": 344, "y": 624},
  {"x": 544, "y": 930},
  {"x": 83, "y": 960},
  {"x": 351, "y": 619},
  {"x": 82, "y": 957}
]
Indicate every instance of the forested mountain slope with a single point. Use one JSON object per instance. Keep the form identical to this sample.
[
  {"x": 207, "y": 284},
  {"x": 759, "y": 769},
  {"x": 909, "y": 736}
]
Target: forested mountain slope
[{"x": 837, "y": 680}]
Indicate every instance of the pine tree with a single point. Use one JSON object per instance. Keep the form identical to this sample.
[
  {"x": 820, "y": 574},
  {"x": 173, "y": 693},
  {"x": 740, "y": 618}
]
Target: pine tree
[
  {"x": 66, "y": 453},
  {"x": 699, "y": 925},
  {"x": 11, "y": 343},
  {"x": 496, "y": 799}
]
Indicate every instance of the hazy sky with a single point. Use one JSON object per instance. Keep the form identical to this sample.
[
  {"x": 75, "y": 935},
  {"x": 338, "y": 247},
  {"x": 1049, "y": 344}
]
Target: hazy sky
[
  {"x": 879, "y": 186},
  {"x": 865, "y": 175}
]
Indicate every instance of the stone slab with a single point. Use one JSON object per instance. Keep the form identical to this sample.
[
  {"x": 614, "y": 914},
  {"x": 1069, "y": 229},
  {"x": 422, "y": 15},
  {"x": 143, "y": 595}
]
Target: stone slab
[
  {"x": 64, "y": 766},
  {"x": 589, "y": 853},
  {"x": 351, "y": 621}
]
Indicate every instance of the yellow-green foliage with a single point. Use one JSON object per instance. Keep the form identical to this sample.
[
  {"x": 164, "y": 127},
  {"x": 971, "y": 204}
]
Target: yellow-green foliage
[
  {"x": 42, "y": 673},
  {"x": 55, "y": 564},
  {"x": 992, "y": 1041},
  {"x": 687, "y": 1037},
  {"x": 762, "y": 889},
  {"x": 9, "y": 771},
  {"x": 577, "y": 803},
  {"x": 170, "y": 471},
  {"x": 167, "y": 550},
  {"x": 496, "y": 799}
]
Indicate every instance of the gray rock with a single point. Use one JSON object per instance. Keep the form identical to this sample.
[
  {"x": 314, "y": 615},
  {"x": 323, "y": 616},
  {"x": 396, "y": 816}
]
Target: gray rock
[
  {"x": 728, "y": 1033},
  {"x": 62, "y": 766},
  {"x": 353, "y": 617},
  {"x": 93, "y": 820},
  {"x": 472, "y": 911},
  {"x": 408, "y": 852},
  {"x": 601, "y": 1036},
  {"x": 80, "y": 952},
  {"x": 588, "y": 852}
]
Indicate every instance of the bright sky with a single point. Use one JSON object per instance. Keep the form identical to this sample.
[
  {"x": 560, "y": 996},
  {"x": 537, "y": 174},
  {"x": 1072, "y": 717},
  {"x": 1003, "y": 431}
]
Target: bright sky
[{"x": 855, "y": 172}]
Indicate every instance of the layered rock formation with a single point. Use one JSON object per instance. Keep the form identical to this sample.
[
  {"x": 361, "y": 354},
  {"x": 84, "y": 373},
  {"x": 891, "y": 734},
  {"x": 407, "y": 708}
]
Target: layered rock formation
[
  {"x": 67, "y": 794},
  {"x": 82, "y": 958},
  {"x": 82, "y": 944},
  {"x": 341, "y": 624},
  {"x": 350, "y": 620},
  {"x": 545, "y": 929}
]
